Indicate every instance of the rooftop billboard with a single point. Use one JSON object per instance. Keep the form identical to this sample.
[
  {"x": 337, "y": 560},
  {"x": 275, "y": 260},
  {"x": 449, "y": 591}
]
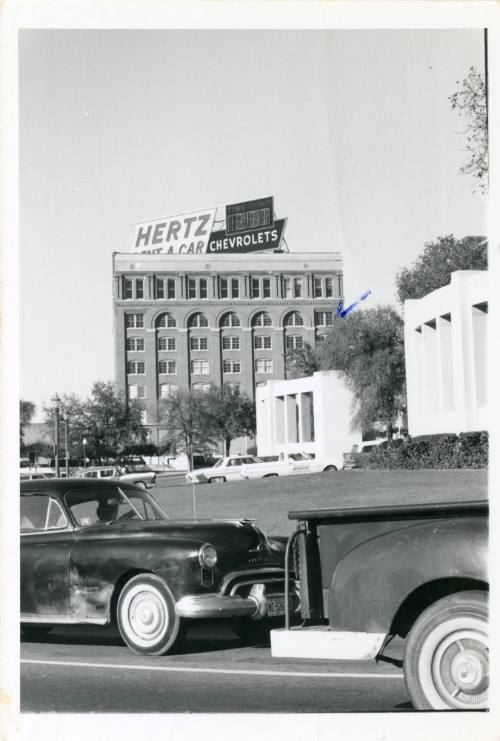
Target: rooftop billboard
[{"x": 250, "y": 226}]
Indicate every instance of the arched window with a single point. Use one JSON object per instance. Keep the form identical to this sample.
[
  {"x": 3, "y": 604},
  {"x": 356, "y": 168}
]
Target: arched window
[
  {"x": 230, "y": 320},
  {"x": 293, "y": 319},
  {"x": 166, "y": 320},
  {"x": 197, "y": 320},
  {"x": 167, "y": 389},
  {"x": 262, "y": 319}
]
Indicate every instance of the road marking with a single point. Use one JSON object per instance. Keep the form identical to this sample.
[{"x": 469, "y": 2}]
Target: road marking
[{"x": 204, "y": 670}]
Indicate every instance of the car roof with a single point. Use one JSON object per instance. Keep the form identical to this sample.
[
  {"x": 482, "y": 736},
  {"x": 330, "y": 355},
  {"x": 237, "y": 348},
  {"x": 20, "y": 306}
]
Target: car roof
[{"x": 63, "y": 485}]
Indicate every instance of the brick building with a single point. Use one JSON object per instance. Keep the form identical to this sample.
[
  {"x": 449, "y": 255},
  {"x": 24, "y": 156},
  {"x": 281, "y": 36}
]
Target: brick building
[{"x": 185, "y": 321}]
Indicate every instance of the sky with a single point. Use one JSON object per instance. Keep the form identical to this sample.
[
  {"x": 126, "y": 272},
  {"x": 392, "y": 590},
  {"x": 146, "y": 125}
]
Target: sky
[{"x": 352, "y": 133}]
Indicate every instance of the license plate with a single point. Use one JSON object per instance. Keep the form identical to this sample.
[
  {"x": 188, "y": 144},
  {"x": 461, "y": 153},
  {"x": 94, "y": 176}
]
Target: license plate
[{"x": 275, "y": 606}]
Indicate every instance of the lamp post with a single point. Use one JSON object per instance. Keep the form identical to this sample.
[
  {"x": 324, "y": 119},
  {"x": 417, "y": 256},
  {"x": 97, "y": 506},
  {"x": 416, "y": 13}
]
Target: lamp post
[
  {"x": 84, "y": 443},
  {"x": 57, "y": 402},
  {"x": 65, "y": 420}
]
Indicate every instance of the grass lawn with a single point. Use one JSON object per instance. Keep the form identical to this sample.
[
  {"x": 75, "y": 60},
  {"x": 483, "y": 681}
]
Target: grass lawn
[{"x": 268, "y": 501}]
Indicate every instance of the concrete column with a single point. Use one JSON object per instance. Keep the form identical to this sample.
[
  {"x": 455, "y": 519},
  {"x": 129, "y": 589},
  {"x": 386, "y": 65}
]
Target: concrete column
[
  {"x": 431, "y": 361},
  {"x": 446, "y": 382},
  {"x": 247, "y": 361},
  {"x": 278, "y": 353}
]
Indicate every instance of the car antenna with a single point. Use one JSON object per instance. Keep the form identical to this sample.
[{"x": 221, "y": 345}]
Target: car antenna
[{"x": 194, "y": 501}]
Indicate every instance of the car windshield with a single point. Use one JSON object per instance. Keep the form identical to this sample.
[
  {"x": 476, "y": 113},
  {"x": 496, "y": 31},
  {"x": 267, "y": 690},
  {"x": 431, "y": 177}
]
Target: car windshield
[
  {"x": 299, "y": 457},
  {"x": 105, "y": 505},
  {"x": 219, "y": 463}
]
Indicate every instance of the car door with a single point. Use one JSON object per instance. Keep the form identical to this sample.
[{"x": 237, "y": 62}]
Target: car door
[
  {"x": 234, "y": 469},
  {"x": 46, "y": 539}
]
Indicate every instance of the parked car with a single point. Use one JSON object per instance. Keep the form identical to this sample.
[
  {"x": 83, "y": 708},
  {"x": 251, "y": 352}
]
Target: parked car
[
  {"x": 359, "y": 453},
  {"x": 240, "y": 467},
  {"x": 417, "y": 571},
  {"x": 144, "y": 477},
  {"x": 105, "y": 551}
]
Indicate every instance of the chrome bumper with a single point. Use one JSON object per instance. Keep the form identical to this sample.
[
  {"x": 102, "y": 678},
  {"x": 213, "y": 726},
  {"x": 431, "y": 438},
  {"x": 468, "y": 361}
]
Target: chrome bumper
[{"x": 216, "y": 606}]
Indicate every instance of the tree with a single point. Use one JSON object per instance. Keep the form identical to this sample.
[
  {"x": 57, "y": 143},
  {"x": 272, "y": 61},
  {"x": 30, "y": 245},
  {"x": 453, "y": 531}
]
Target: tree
[
  {"x": 470, "y": 100},
  {"x": 182, "y": 415},
  {"x": 26, "y": 412},
  {"x": 367, "y": 347},
  {"x": 227, "y": 415},
  {"x": 303, "y": 361},
  {"x": 434, "y": 266},
  {"x": 104, "y": 419}
]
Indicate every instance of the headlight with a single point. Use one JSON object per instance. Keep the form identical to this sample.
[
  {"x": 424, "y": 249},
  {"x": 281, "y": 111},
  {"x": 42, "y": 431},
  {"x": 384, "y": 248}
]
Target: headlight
[{"x": 207, "y": 556}]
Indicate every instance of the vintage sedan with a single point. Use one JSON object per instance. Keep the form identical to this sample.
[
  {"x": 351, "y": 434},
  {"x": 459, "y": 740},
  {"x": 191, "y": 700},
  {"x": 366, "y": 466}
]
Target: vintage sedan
[{"x": 105, "y": 552}]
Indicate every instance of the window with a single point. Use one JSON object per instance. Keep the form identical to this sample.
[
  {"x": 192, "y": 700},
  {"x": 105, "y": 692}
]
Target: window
[
  {"x": 200, "y": 367},
  {"x": 170, "y": 287},
  {"x": 203, "y": 288},
  {"x": 318, "y": 288},
  {"x": 136, "y": 367},
  {"x": 230, "y": 320},
  {"x": 191, "y": 288},
  {"x": 320, "y": 337},
  {"x": 197, "y": 288},
  {"x": 294, "y": 342},
  {"x": 324, "y": 318},
  {"x": 293, "y": 319},
  {"x": 136, "y": 391},
  {"x": 135, "y": 344},
  {"x": 262, "y": 342},
  {"x": 160, "y": 288},
  {"x": 128, "y": 288},
  {"x": 199, "y": 343},
  {"x": 230, "y": 343},
  {"x": 232, "y": 366},
  {"x": 262, "y": 319},
  {"x": 287, "y": 288},
  {"x": 169, "y": 367},
  {"x": 235, "y": 288},
  {"x": 201, "y": 387},
  {"x": 167, "y": 344},
  {"x": 234, "y": 388},
  {"x": 223, "y": 288},
  {"x": 263, "y": 366},
  {"x": 297, "y": 287},
  {"x": 41, "y": 512},
  {"x": 266, "y": 287},
  {"x": 135, "y": 321},
  {"x": 329, "y": 287},
  {"x": 255, "y": 288},
  {"x": 166, "y": 321},
  {"x": 167, "y": 389},
  {"x": 197, "y": 320}
]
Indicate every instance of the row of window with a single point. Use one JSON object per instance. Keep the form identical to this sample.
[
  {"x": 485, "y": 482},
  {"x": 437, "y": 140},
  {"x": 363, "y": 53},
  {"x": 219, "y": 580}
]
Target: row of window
[
  {"x": 197, "y": 288},
  {"x": 200, "y": 344},
  {"x": 198, "y": 367},
  {"x": 230, "y": 319},
  {"x": 138, "y": 391}
]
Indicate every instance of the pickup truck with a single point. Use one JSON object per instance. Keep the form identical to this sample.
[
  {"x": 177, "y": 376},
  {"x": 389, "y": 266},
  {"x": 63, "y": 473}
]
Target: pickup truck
[
  {"x": 417, "y": 571},
  {"x": 239, "y": 468}
]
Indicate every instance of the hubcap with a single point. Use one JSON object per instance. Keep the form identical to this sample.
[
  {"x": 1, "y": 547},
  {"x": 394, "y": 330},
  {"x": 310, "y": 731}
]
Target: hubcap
[
  {"x": 460, "y": 668},
  {"x": 145, "y": 615}
]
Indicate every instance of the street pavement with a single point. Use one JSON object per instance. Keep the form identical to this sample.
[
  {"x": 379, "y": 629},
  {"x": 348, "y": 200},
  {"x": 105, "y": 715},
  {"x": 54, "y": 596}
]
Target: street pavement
[{"x": 88, "y": 669}]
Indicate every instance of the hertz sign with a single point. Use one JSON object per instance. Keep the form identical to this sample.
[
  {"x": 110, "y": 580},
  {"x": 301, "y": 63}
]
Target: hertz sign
[{"x": 250, "y": 227}]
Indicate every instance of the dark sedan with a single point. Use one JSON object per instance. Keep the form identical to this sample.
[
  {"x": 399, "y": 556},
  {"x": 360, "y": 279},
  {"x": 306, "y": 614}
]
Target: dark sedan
[{"x": 104, "y": 551}]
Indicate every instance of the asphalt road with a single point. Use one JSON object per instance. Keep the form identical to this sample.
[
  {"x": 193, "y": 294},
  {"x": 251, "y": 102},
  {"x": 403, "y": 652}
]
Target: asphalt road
[{"x": 88, "y": 669}]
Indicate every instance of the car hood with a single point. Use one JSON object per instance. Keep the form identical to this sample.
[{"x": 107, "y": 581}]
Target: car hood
[
  {"x": 202, "y": 471},
  {"x": 238, "y": 534}
]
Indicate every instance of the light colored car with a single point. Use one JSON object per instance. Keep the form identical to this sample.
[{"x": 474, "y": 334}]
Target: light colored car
[
  {"x": 238, "y": 468},
  {"x": 143, "y": 477}
]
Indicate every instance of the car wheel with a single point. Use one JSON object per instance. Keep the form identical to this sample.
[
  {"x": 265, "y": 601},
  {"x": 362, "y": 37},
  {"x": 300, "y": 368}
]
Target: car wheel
[
  {"x": 146, "y": 616},
  {"x": 35, "y": 631},
  {"x": 330, "y": 468},
  {"x": 446, "y": 657},
  {"x": 141, "y": 484},
  {"x": 217, "y": 480}
]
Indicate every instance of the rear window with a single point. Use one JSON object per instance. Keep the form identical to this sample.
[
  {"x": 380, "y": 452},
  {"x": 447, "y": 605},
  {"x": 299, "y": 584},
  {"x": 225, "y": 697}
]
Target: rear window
[{"x": 41, "y": 512}]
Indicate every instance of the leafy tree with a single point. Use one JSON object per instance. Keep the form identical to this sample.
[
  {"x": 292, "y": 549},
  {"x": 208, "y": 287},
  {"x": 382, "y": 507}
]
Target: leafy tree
[
  {"x": 434, "y": 266},
  {"x": 26, "y": 411},
  {"x": 302, "y": 362},
  {"x": 227, "y": 415},
  {"x": 470, "y": 100},
  {"x": 104, "y": 419},
  {"x": 367, "y": 347},
  {"x": 182, "y": 415}
]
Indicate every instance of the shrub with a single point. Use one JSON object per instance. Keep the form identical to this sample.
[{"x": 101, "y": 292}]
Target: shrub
[{"x": 467, "y": 450}]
